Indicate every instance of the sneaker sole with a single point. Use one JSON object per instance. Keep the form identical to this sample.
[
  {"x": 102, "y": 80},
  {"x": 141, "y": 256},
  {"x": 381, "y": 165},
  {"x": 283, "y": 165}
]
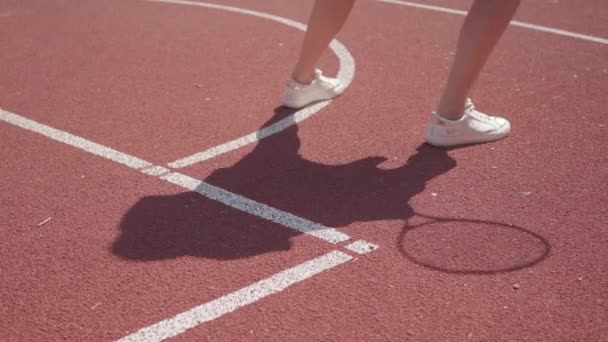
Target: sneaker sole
[
  {"x": 300, "y": 106},
  {"x": 296, "y": 105},
  {"x": 496, "y": 135}
]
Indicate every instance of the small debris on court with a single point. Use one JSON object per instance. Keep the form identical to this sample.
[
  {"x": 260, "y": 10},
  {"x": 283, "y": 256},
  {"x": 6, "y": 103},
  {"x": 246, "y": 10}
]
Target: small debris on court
[{"x": 40, "y": 224}]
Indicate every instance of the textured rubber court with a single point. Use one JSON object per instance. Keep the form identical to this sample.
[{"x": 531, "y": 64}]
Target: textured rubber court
[{"x": 151, "y": 188}]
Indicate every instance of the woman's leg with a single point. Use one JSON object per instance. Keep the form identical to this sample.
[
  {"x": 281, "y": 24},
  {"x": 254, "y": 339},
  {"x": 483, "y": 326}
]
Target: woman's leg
[
  {"x": 483, "y": 26},
  {"x": 306, "y": 85},
  {"x": 456, "y": 121},
  {"x": 326, "y": 20}
]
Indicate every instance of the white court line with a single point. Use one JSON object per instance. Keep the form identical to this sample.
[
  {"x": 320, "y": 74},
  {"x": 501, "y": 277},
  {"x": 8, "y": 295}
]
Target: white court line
[
  {"x": 264, "y": 211},
  {"x": 361, "y": 247},
  {"x": 73, "y": 140},
  {"x": 533, "y": 27},
  {"x": 345, "y": 74},
  {"x": 155, "y": 170},
  {"x": 230, "y": 302},
  {"x": 249, "y": 294},
  {"x": 215, "y": 193}
]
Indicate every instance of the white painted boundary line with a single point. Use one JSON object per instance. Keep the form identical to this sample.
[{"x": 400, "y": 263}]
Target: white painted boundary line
[
  {"x": 346, "y": 73},
  {"x": 73, "y": 140},
  {"x": 534, "y": 27},
  {"x": 361, "y": 247},
  {"x": 266, "y": 212},
  {"x": 230, "y": 302},
  {"x": 215, "y": 193},
  {"x": 560, "y": 32},
  {"x": 276, "y": 283}
]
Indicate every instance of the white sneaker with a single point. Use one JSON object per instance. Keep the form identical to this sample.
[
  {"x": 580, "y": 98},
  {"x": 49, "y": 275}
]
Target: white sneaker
[
  {"x": 298, "y": 95},
  {"x": 473, "y": 127}
]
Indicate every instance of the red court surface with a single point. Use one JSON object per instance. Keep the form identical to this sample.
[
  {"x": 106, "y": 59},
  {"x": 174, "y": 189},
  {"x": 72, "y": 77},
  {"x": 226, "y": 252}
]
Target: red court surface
[{"x": 152, "y": 189}]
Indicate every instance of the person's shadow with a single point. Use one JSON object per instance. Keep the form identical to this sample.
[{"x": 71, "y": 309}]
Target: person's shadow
[
  {"x": 159, "y": 227},
  {"x": 187, "y": 224}
]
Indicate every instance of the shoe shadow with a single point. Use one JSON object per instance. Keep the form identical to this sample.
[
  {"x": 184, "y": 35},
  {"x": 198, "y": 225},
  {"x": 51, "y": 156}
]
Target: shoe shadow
[{"x": 274, "y": 173}]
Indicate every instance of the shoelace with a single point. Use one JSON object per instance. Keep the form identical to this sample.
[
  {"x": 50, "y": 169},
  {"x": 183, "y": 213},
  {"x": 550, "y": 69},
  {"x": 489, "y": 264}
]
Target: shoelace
[{"x": 470, "y": 110}]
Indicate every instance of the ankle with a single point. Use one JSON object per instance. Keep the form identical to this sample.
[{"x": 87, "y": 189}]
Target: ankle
[
  {"x": 451, "y": 115},
  {"x": 302, "y": 80},
  {"x": 303, "y": 77},
  {"x": 451, "y": 112}
]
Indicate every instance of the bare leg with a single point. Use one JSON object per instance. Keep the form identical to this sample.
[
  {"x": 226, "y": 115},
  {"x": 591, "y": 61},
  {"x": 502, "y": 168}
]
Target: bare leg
[
  {"x": 326, "y": 20},
  {"x": 484, "y": 25}
]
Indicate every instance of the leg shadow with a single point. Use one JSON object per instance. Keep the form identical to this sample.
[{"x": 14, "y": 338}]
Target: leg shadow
[
  {"x": 187, "y": 224},
  {"x": 274, "y": 173}
]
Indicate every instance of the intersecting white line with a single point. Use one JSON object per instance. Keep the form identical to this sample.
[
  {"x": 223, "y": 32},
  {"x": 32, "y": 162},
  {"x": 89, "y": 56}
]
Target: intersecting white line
[
  {"x": 215, "y": 193},
  {"x": 275, "y": 283},
  {"x": 230, "y": 302},
  {"x": 252, "y": 293}
]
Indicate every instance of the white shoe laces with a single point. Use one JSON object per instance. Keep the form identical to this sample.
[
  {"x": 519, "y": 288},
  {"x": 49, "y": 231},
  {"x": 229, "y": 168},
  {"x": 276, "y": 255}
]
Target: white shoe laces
[{"x": 470, "y": 111}]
